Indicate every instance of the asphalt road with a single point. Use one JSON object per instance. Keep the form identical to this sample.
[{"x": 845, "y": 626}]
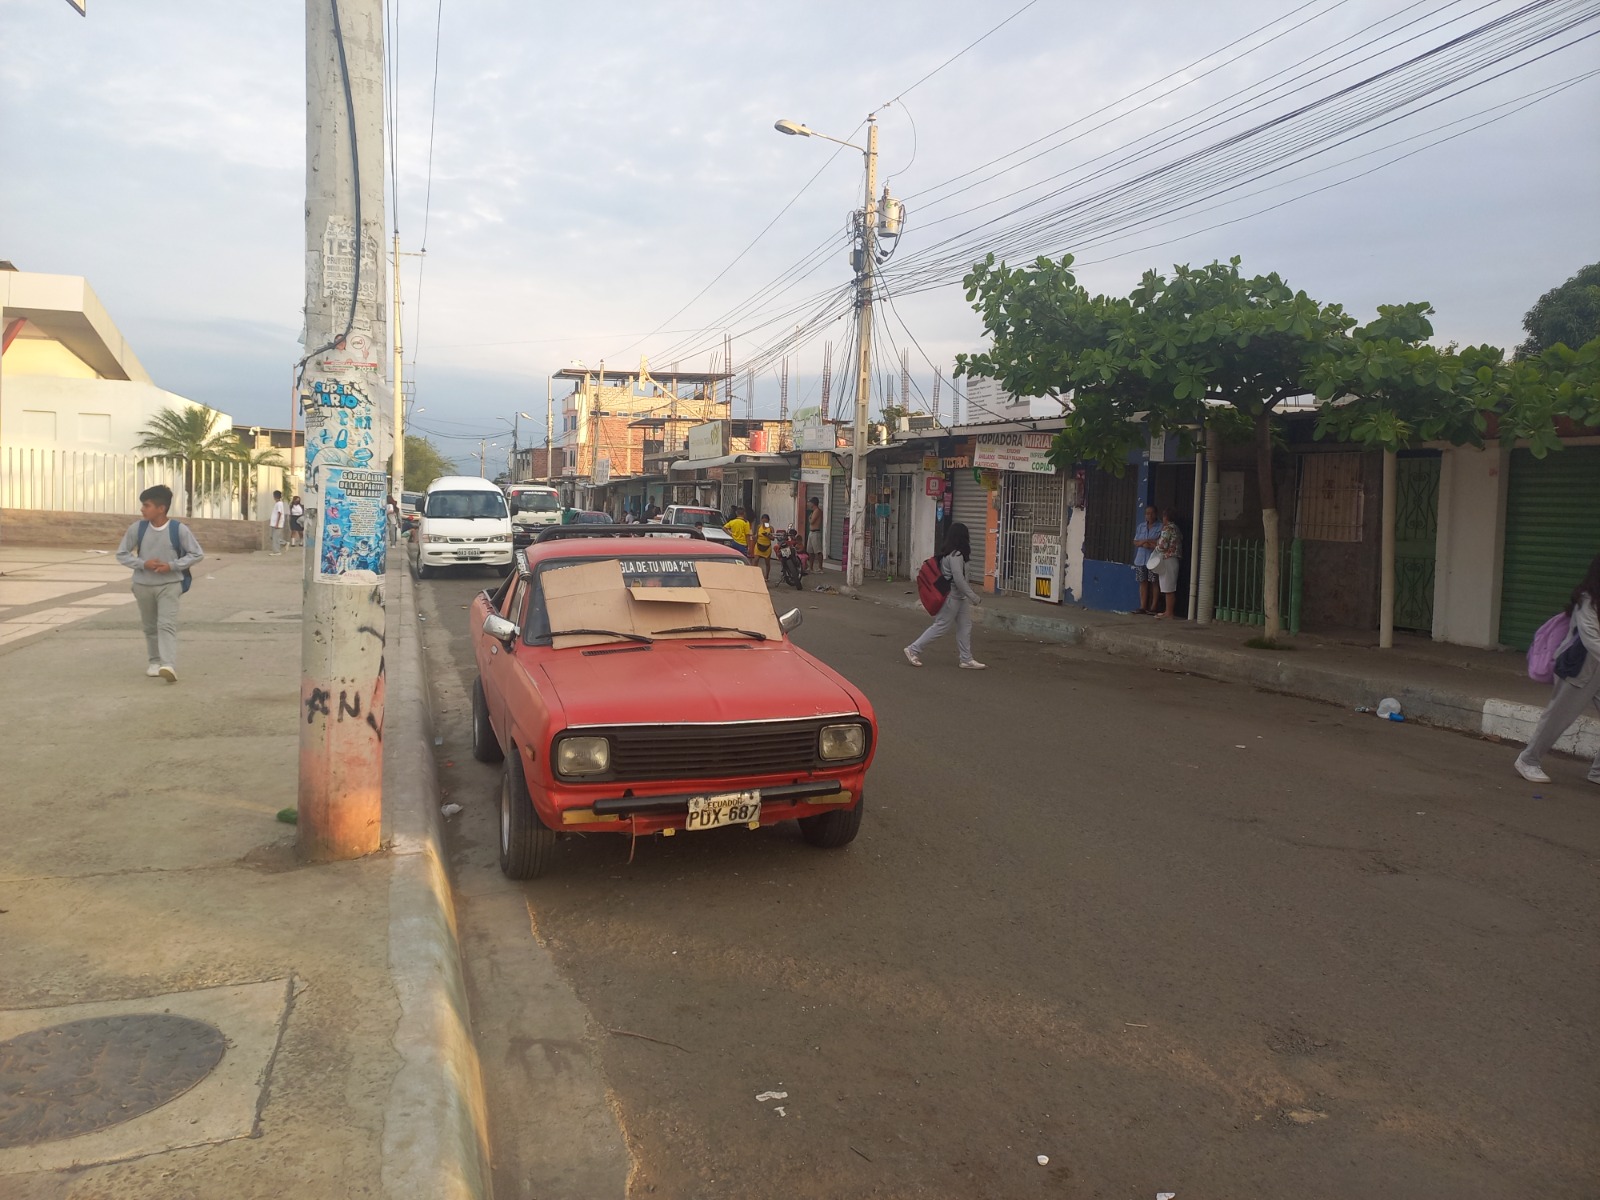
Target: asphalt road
[{"x": 1173, "y": 934}]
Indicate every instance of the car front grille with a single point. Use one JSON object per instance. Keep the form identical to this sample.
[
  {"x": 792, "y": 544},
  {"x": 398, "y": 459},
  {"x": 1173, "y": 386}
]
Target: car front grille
[{"x": 643, "y": 753}]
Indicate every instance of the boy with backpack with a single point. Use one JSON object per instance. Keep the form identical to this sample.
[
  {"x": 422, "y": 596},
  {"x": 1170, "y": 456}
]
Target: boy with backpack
[{"x": 159, "y": 552}]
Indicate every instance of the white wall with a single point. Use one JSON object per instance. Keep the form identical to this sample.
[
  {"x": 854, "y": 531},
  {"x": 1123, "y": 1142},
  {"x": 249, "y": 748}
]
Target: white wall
[
  {"x": 1470, "y": 546},
  {"x": 106, "y": 416}
]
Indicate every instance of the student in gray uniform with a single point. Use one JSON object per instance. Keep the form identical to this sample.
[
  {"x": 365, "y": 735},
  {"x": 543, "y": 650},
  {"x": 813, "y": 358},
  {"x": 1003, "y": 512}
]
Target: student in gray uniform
[{"x": 160, "y": 553}]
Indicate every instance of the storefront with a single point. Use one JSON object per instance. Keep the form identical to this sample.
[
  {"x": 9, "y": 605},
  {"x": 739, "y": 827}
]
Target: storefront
[{"x": 1031, "y": 509}]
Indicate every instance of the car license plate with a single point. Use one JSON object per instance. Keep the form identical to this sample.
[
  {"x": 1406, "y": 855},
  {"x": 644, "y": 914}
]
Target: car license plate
[
  {"x": 729, "y": 808},
  {"x": 469, "y": 553}
]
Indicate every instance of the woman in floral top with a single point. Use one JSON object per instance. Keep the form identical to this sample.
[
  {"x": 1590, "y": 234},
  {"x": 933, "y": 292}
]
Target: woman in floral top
[{"x": 1169, "y": 545}]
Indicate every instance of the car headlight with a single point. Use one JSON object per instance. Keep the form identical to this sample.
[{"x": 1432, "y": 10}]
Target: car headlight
[
  {"x": 436, "y": 537},
  {"x": 839, "y": 742},
  {"x": 578, "y": 756}
]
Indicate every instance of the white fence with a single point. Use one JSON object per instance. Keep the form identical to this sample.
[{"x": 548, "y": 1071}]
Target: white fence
[{"x": 84, "y": 481}]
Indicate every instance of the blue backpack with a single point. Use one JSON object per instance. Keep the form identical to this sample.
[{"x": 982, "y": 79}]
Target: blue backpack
[{"x": 177, "y": 546}]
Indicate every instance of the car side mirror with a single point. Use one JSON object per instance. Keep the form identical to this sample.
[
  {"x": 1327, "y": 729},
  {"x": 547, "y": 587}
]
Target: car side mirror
[
  {"x": 500, "y": 629},
  {"x": 791, "y": 620}
]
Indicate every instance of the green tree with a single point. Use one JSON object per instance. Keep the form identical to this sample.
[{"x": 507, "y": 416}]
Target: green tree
[
  {"x": 1205, "y": 347},
  {"x": 190, "y": 437},
  {"x": 424, "y": 464},
  {"x": 1567, "y": 315},
  {"x": 250, "y": 461}
]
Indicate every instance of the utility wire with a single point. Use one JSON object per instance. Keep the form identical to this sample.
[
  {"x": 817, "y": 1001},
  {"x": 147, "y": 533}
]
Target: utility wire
[
  {"x": 996, "y": 29},
  {"x": 427, "y": 203}
]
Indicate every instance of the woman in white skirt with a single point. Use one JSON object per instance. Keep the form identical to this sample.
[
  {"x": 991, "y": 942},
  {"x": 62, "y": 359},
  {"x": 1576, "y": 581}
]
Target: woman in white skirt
[{"x": 1169, "y": 545}]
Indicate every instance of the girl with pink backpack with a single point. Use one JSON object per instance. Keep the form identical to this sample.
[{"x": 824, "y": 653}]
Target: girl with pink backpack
[{"x": 1569, "y": 659}]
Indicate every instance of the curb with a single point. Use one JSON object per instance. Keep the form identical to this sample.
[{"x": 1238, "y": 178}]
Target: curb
[
  {"x": 1443, "y": 707},
  {"x": 435, "y": 1127}
]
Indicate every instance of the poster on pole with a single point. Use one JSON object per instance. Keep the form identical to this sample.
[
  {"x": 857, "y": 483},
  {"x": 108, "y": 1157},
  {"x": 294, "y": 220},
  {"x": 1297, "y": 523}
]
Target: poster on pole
[
  {"x": 347, "y": 492},
  {"x": 1047, "y": 567}
]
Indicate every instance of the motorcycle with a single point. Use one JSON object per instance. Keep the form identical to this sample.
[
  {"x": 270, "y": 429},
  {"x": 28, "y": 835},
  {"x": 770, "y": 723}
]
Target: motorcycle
[{"x": 786, "y": 544}]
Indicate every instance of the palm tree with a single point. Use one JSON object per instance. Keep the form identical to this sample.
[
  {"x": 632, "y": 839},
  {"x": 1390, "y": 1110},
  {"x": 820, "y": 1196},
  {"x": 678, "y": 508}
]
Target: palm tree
[
  {"x": 250, "y": 461},
  {"x": 190, "y": 436}
]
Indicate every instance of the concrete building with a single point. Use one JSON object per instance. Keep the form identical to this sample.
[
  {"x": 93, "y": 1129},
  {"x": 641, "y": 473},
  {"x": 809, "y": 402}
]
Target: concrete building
[{"x": 69, "y": 380}]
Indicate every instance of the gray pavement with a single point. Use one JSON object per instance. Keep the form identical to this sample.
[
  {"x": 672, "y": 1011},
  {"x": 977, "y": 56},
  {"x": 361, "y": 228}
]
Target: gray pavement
[
  {"x": 1485, "y": 692},
  {"x": 143, "y": 873},
  {"x": 1171, "y": 933}
]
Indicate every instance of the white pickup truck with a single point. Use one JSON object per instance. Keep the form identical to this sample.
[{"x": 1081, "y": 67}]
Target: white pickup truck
[{"x": 533, "y": 506}]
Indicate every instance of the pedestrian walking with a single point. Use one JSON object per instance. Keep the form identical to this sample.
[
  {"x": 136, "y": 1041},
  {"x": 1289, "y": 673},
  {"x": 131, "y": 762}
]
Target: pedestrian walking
[
  {"x": 814, "y": 531},
  {"x": 297, "y": 522},
  {"x": 761, "y": 543},
  {"x": 159, "y": 552},
  {"x": 1144, "y": 541},
  {"x": 1570, "y": 696},
  {"x": 739, "y": 530},
  {"x": 958, "y": 605},
  {"x": 280, "y": 522},
  {"x": 393, "y": 514},
  {"x": 1165, "y": 554}
]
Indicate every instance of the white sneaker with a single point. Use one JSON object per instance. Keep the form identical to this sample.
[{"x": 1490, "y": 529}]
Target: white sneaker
[
  {"x": 911, "y": 657},
  {"x": 1530, "y": 772},
  {"x": 153, "y": 670},
  {"x": 973, "y": 664},
  {"x": 168, "y": 674}
]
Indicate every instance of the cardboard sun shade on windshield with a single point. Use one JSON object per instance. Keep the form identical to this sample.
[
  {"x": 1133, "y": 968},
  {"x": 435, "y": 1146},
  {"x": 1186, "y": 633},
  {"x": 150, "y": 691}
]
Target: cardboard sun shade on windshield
[
  {"x": 590, "y": 596},
  {"x": 739, "y": 597}
]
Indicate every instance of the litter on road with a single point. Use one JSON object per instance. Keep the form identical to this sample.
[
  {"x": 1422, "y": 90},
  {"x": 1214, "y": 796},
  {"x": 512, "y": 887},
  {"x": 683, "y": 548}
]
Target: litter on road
[{"x": 450, "y": 810}]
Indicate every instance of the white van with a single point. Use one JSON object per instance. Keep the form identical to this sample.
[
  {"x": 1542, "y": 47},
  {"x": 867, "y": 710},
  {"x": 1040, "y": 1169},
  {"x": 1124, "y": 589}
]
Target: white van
[
  {"x": 533, "y": 506},
  {"x": 463, "y": 521}
]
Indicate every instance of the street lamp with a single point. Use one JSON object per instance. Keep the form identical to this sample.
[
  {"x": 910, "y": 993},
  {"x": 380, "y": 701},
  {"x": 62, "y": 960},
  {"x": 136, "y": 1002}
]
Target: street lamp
[
  {"x": 483, "y": 447},
  {"x": 857, "y": 552},
  {"x": 515, "y": 422}
]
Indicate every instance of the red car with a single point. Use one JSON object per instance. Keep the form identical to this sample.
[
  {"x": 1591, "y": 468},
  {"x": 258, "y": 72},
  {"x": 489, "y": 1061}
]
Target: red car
[{"x": 636, "y": 680}]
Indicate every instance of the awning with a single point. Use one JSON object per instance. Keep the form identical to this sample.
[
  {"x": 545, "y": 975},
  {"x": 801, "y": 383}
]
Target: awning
[{"x": 732, "y": 460}]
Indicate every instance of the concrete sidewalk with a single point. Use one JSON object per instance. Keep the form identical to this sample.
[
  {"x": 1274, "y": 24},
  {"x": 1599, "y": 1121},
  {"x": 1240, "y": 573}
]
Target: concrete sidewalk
[
  {"x": 186, "y": 1010},
  {"x": 1483, "y": 692}
]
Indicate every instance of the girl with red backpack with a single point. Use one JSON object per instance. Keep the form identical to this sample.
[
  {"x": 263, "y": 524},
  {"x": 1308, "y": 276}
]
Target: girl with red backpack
[
  {"x": 1577, "y": 683},
  {"x": 956, "y": 611}
]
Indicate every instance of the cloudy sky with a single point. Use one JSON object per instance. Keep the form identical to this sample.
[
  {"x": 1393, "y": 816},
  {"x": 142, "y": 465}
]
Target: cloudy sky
[{"x": 596, "y": 166}]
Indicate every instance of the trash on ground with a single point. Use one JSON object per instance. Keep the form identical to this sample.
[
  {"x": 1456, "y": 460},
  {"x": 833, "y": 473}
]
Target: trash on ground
[
  {"x": 1166, "y": 1196},
  {"x": 1388, "y": 708},
  {"x": 1238, "y": 747},
  {"x": 450, "y": 810},
  {"x": 438, "y": 741},
  {"x": 1362, "y": 708},
  {"x": 1044, "y": 1160},
  {"x": 763, "y": 1097},
  {"x": 289, "y": 816},
  {"x": 779, "y": 1110}
]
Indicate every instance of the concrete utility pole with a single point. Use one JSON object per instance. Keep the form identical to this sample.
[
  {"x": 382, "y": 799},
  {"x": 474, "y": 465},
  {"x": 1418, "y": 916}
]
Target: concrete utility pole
[
  {"x": 343, "y": 397},
  {"x": 858, "y": 460},
  {"x": 549, "y": 427},
  {"x": 399, "y": 472}
]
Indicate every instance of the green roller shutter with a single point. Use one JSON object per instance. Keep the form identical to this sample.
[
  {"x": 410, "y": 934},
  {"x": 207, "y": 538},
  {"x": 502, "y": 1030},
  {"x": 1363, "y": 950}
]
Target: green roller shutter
[{"x": 1552, "y": 534}]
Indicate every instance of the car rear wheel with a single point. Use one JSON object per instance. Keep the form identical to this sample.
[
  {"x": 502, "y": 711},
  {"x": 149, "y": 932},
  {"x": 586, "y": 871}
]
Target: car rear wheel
[
  {"x": 830, "y": 830},
  {"x": 527, "y": 844},
  {"x": 485, "y": 746}
]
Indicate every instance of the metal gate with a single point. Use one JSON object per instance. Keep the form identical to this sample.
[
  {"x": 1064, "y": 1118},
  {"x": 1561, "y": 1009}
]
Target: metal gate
[
  {"x": 838, "y": 510},
  {"x": 901, "y": 511},
  {"x": 1552, "y": 529},
  {"x": 970, "y": 506},
  {"x": 1028, "y": 504},
  {"x": 1416, "y": 532}
]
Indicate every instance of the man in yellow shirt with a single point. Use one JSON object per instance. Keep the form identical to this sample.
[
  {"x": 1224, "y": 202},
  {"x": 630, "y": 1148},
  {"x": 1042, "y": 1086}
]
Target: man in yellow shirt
[{"x": 739, "y": 530}]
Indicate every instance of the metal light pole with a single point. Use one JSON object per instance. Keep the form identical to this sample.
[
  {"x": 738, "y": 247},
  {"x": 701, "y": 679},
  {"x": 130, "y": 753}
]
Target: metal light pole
[
  {"x": 549, "y": 426},
  {"x": 857, "y": 552},
  {"x": 343, "y": 397}
]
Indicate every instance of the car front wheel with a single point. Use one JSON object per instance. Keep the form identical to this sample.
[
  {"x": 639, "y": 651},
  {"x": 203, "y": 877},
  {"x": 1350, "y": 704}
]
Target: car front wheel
[
  {"x": 485, "y": 746},
  {"x": 527, "y": 844},
  {"x": 830, "y": 830}
]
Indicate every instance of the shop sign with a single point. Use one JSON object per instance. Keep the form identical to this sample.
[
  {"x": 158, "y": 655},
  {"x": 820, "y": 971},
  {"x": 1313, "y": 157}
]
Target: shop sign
[
  {"x": 602, "y": 472},
  {"x": 933, "y": 485},
  {"x": 930, "y": 464},
  {"x": 956, "y": 463},
  {"x": 1026, "y": 452},
  {"x": 815, "y": 466},
  {"x": 1047, "y": 567},
  {"x": 708, "y": 441}
]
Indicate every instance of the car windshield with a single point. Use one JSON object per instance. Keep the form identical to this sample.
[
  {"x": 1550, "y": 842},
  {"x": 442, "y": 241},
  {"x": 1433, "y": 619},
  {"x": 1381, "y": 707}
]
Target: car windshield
[
  {"x": 466, "y": 505},
  {"x": 734, "y": 604},
  {"x": 411, "y": 498},
  {"x": 538, "y": 502}
]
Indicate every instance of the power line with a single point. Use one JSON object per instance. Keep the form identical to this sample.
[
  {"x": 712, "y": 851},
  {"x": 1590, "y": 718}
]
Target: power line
[
  {"x": 959, "y": 53},
  {"x": 427, "y": 203}
]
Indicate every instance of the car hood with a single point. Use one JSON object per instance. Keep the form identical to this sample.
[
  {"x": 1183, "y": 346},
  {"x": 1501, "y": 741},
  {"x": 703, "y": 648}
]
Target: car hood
[{"x": 682, "y": 682}]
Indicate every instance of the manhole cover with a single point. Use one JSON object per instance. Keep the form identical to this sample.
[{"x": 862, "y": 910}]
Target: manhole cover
[{"x": 88, "y": 1075}]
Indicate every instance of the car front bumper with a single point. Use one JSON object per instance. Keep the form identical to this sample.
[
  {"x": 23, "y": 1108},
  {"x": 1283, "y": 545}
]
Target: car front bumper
[
  {"x": 454, "y": 554},
  {"x": 636, "y": 810}
]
